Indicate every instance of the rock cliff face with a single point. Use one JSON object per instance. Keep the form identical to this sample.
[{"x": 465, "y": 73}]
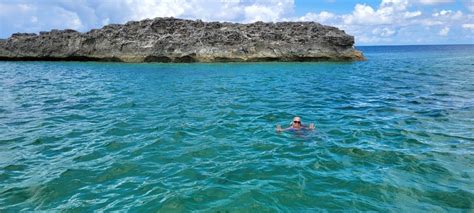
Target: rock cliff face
[{"x": 178, "y": 40}]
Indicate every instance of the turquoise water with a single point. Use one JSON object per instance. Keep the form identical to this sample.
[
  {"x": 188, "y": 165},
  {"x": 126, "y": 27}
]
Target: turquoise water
[{"x": 393, "y": 133}]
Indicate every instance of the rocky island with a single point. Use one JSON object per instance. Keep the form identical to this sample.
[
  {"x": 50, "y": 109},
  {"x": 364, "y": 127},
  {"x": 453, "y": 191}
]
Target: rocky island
[{"x": 179, "y": 40}]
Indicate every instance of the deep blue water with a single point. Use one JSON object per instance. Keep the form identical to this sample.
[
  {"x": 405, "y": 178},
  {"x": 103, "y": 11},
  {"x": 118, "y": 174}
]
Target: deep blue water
[{"x": 393, "y": 133}]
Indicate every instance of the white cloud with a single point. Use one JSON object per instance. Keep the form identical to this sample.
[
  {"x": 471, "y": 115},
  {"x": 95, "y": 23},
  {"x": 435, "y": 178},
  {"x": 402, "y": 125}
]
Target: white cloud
[
  {"x": 28, "y": 17},
  {"x": 468, "y": 26},
  {"x": 391, "y": 20},
  {"x": 260, "y": 11},
  {"x": 469, "y": 5},
  {"x": 444, "y": 31},
  {"x": 142, "y": 9},
  {"x": 106, "y": 21},
  {"x": 211, "y": 10},
  {"x": 443, "y": 17},
  {"x": 389, "y": 12},
  {"x": 383, "y": 31},
  {"x": 322, "y": 17},
  {"x": 396, "y": 21},
  {"x": 373, "y": 39},
  {"x": 398, "y": 5},
  {"x": 364, "y": 14},
  {"x": 408, "y": 14},
  {"x": 34, "y": 19},
  {"x": 83, "y": 15},
  {"x": 25, "y": 7},
  {"x": 430, "y": 22},
  {"x": 433, "y": 2},
  {"x": 448, "y": 14}
]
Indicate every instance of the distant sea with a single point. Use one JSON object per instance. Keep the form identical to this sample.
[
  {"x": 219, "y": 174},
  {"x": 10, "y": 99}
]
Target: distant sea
[{"x": 393, "y": 133}]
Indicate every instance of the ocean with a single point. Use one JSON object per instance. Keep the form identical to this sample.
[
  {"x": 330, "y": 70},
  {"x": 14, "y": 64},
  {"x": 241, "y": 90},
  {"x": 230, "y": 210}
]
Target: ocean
[{"x": 393, "y": 133}]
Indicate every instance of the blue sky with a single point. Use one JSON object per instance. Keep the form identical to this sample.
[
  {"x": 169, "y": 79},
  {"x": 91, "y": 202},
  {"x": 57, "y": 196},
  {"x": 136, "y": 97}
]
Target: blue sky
[{"x": 372, "y": 22}]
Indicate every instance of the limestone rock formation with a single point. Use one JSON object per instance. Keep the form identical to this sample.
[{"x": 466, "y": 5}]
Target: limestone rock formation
[{"x": 178, "y": 40}]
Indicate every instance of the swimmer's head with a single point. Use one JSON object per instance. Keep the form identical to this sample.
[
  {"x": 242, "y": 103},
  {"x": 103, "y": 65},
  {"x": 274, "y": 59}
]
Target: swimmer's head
[{"x": 296, "y": 123}]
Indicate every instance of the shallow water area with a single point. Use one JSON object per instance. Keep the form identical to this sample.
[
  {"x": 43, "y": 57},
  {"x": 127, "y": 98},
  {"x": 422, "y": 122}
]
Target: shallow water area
[{"x": 395, "y": 132}]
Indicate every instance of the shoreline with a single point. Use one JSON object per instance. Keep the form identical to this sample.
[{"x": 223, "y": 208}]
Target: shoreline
[{"x": 176, "y": 60}]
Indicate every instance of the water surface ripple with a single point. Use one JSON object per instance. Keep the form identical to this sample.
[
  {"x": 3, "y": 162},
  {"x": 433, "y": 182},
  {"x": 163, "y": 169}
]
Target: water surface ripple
[{"x": 393, "y": 133}]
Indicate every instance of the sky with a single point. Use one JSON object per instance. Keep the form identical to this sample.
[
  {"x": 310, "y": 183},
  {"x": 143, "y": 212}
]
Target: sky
[{"x": 372, "y": 22}]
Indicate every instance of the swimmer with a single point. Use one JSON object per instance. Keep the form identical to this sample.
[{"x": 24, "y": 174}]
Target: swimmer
[{"x": 296, "y": 125}]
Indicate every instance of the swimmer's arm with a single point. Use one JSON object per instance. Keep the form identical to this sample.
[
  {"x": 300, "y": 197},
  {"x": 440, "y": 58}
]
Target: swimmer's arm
[
  {"x": 311, "y": 126},
  {"x": 279, "y": 129}
]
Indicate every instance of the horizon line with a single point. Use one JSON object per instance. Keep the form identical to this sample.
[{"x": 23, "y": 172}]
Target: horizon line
[{"x": 380, "y": 45}]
